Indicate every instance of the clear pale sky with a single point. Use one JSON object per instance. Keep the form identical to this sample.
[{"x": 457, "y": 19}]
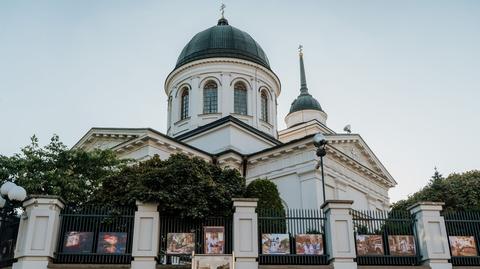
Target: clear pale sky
[{"x": 405, "y": 74}]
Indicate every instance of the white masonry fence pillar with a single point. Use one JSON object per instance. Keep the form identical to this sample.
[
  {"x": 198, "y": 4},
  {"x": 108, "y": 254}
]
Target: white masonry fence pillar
[
  {"x": 432, "y": 234},
  {"x": 339, "y": 234},
  {"x": 145, "y": 236},
  {"x": 38, "y": 232},
  {"x": 245, "y": 233}
]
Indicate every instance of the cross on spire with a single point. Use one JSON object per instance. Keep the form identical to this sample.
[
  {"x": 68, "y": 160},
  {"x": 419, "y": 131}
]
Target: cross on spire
[{"x": 222, "y": 9}]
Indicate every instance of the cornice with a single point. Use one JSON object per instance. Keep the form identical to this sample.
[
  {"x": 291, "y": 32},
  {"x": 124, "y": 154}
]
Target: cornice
[{"x": 182, "y": 68}]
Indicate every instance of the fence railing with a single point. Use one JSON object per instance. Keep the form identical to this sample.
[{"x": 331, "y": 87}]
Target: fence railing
[
  {"x": 385, "y": 238},
  {"x": 294, "y": 236},
  {"x": 95, "y": 235},
  {"x": 9, "y": 225},
  {"x": 463, "y": 230},
  {"x": 179, "y": 237}
]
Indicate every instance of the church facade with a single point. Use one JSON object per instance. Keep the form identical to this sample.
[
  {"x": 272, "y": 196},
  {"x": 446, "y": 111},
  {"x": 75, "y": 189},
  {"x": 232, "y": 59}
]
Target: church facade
[{"x": 222, "y": 107}]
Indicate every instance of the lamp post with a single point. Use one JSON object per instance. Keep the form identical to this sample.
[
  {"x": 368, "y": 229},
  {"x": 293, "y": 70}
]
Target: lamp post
[
  {"x": 320, "y": 142},
  {"x": 10, "y": 194}
]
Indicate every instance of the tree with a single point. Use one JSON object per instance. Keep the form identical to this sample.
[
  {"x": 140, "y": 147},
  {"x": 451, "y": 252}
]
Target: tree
[
  {"x": 183, "y": 186},
  {"x": 267, "y": 193},
  {"x": 75, "y": 175},
  {"x": 457, "y": 191}
]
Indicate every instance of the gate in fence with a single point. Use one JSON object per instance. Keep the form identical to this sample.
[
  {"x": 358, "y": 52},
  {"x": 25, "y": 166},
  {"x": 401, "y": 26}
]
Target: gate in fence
[
  {"x": 96, "y": 235},
  {"x": 294, "y": 236},
  {"x": 463, "y": 230},
  {"x": 9, "y": 224},
  {"x": 179, "y": 237},
  {"x": 385, "y": 238}
]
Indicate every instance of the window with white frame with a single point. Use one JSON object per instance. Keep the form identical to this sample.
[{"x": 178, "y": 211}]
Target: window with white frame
[
  {"x": 240, "y": 98},
  {"x": 210, "y": 91}
]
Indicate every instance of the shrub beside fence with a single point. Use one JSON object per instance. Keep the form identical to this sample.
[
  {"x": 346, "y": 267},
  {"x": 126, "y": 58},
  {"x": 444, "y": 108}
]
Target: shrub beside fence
[
  {"x": 296, "y": 236},
  {"x": 96, "y": 235},
  {"x": 463, "y": 230},
  {"x": 175, "y": 224},
  {"x": 8, "y": 237},
  {"x": 385, "y": 238}
]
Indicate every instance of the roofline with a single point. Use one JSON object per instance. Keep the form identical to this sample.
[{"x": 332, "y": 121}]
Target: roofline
[
  {"x": 224, "y": 120},
  {"x": 146, "y": 130}
]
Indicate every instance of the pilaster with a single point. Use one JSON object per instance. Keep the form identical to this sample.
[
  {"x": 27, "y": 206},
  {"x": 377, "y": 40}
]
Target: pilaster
[
  {"x": 432, "y": 234},
  {"x": 38, "y": 232},
  {"x": 245, "y": 233},
  {"x": 145, "y": 236},
  {"x": 339, "y": 234}
]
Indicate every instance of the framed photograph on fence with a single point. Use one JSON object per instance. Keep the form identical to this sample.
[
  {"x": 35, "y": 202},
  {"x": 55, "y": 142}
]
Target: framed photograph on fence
[
  {"x": 309, "y": 244},
  {"x": 214, "y": 240},
  {"x": 463, "y": 245},
  {"x": 402, "y": 245},
  {"x": 369, "y": 244},
  {"x": 112, "y": 243},
  {"x": 275, "y": 244},
  {"x": 78, "y": 242},
  {"x": 212, "y": 262},
  {"x": 180, "y": 243}
]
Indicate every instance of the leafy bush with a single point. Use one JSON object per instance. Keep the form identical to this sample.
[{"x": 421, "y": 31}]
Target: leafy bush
[{"x": 183, "y": 186}]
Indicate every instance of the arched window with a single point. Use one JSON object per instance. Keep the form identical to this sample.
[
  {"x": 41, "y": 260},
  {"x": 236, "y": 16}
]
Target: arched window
[
  {"x": 210, "y": 97},
  {"x": 240, "y": 98},
  {"x": 264, "y": 106},
  {"x": 184, "y": 104}
]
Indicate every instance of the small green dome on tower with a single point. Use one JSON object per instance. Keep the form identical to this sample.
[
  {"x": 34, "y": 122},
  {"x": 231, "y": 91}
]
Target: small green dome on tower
[
  {"x": 305, "y": 100},
  {"x": 223, "y": 40}
]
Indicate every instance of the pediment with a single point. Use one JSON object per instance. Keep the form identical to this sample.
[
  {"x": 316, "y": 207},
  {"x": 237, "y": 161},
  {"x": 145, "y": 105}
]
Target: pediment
[
  {"x": 107, "y": 138},
  {"x": 354, "y": 150}
]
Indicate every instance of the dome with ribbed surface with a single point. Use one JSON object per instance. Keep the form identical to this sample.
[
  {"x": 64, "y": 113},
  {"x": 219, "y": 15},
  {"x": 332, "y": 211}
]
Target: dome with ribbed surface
[{"x": 223, "y": 40}]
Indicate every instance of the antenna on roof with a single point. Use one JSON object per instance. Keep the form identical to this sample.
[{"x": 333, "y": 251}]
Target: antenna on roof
[{"x": 348, "y": 128}]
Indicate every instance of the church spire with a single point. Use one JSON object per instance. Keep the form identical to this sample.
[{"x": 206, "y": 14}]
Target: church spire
[{"x": 303, "y": 80}]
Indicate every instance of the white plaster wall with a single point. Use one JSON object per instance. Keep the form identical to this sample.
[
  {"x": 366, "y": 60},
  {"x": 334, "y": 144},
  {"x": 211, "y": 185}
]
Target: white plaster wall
[
  {"x": 300, "y": 183},
  {"x": 225, "y": 72},
  {"x": 228, "y": 137}
]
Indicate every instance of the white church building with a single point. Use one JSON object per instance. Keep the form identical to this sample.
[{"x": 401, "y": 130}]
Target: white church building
[{"x": 222, "y": 107}]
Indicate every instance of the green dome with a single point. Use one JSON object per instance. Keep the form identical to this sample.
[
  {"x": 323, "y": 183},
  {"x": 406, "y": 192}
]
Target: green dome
[
  {"x": 305, "y": 101},
  {"x": 223, "y": 40}
]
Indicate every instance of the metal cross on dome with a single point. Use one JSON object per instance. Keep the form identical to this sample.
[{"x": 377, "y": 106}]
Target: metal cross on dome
[{"x": 222, "y": 8}]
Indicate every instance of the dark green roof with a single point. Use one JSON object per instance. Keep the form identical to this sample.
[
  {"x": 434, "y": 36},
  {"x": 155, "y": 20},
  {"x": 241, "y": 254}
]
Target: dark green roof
[
  {"x": 223, "y": 40},
  {"x": 305, "y": 101}
]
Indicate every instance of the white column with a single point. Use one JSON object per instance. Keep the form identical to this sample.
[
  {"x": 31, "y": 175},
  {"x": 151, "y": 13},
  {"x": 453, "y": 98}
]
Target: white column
[
  {"x": 38, "y": 232},
  {"x": 432, "y": 234},
  {"x": 145, "y": 236},
  {"x": 339, "y": 234},
  {"x": 245, "y": 233}
]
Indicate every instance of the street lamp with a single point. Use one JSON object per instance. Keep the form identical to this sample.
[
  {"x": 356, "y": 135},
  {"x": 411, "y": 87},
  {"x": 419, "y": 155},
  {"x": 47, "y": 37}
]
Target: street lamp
[
  {"x": 10, "y": 192},
  {"x": 320, "y": 142}
]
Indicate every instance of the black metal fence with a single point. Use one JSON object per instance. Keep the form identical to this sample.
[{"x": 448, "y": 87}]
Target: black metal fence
[
  {"x": 463, "y": 230},
  {"x": 96, "y": 235},
  {"x": 191, "y": 233},
  {"x": 9, "y": 224},
  {"x": 295, "y": 236},
  {"x": 385, "y": 238}
]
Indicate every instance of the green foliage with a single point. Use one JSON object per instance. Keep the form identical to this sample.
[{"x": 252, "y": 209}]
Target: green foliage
[
  {"x": 269, "y": 205},
  {"x": 458, "y": 191},
  {"x": 183, "y": 186},
  {"x": 267, "y": 193},
  {"x": 74, "y": 175}
]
